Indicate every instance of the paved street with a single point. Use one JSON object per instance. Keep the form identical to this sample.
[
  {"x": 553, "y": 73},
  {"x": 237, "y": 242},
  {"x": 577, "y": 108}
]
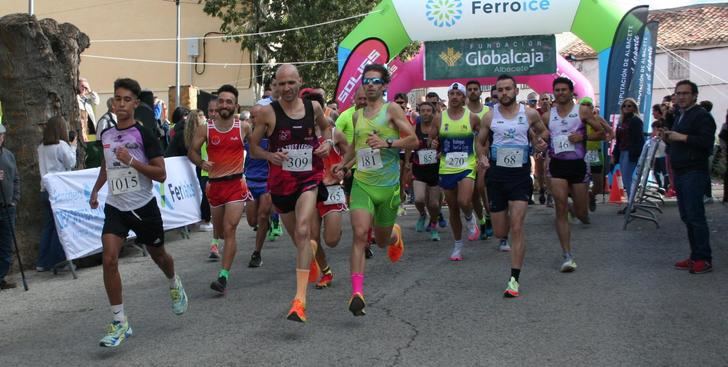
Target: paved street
[{"x": 625, "y": 305}]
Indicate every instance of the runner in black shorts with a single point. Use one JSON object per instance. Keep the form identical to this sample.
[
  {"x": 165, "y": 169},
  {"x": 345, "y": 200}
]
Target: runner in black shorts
[
  {"x": 132, "y": 159},
  {"x": 425, "y": 166}
]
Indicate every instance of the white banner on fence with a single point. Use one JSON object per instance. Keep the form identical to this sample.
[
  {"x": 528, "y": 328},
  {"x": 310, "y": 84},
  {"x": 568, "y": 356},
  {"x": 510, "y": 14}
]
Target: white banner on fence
[{"x": 79, "y": 227}]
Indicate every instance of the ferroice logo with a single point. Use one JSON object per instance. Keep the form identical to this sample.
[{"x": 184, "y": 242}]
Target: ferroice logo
[
  {"x": 444, "y": 13},
  {"x": 503, "y": 7}
]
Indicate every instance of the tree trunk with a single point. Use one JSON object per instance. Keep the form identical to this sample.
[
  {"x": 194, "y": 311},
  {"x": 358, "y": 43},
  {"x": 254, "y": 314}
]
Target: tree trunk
[{"x": 38, "y": 79}]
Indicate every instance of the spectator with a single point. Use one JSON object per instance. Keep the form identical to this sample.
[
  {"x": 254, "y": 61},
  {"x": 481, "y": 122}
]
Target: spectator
[
  {"x": 660, "y": 165},
  {"x": 87, "y": 99},
  {"x": 630, "y": 141},
  {"x": 177, "y": 145},
  {"x": 10, "y": 190},
  {"x": 708, "y": 105},
  {"x": 690, "y": 143},
  {"x": 724, "y": 148},
  {"x": 108, "y": 119},
  {"x": 55, "y": 154}
]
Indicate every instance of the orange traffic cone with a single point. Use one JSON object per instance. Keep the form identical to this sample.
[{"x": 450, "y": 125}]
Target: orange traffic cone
[{"x": 615, "y": 190}]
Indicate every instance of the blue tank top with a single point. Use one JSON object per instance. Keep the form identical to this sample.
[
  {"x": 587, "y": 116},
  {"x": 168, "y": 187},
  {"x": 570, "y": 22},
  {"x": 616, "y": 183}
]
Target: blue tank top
[{"x": 256, "y": 170}]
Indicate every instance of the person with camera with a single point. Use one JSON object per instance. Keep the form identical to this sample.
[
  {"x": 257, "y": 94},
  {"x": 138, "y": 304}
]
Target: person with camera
[{"x": 57, "y": 153}]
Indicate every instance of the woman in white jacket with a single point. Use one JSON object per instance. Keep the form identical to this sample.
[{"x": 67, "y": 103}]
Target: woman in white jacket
[{"x": 55, "y": 154}]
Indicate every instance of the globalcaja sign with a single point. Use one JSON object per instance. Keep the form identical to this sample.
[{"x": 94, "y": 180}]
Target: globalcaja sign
[{"x": 490, "y": 57}]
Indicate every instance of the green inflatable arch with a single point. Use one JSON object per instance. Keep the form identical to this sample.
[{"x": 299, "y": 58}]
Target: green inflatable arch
[{"x": 394, "y": 24}]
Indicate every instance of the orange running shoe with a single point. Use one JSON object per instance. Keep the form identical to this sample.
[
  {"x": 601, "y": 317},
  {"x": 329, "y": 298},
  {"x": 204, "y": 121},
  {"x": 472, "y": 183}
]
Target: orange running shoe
[
  {"x": 297, "y": 312},
  {"x": 395, "y": 250},
  {"x": 325, "y": 281},
  {"x": 357, "y": 304},
  {"x": 313, "y": 268}
]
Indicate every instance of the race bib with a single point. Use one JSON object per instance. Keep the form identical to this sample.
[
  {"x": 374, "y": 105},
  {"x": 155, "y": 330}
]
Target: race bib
[
  {"x": 299, "y": 160},
  {"x": 509, "y": 157},
  {"x": 456, "y": 160},
  {"x": 592, "y": 156},
  {"x": 123, "y": 180},
  {"x": 427, "y": 156},
  {"x": 562, "y": 144},
  {"x": 336, "y": 195},
  {"x": 368, "y": 159}
]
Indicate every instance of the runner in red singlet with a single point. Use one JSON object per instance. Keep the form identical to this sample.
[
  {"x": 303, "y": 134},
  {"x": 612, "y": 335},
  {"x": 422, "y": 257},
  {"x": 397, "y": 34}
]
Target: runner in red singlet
[
  {"x": 226, "y": 189},
  {"x": 296, "y": 169}
]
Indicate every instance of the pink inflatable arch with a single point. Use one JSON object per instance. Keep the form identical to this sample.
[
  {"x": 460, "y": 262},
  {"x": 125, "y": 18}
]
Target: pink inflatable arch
[{"x": 410, "y": 75}]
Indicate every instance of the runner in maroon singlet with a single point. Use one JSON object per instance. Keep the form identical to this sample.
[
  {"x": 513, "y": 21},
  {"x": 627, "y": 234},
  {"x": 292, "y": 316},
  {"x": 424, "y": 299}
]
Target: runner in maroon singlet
[{"x": 296, "y": 169}]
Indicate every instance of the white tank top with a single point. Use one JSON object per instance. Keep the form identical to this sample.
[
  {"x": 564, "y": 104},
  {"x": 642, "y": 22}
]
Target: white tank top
[{"x": 510, "y": 132}]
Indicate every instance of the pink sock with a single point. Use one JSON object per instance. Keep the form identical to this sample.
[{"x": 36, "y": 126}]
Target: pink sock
[{"x": 357, "y": 283}]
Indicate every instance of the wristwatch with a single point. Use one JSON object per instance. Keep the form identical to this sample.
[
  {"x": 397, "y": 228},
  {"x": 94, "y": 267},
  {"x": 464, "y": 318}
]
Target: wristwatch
[{"x": 389, "y": 142}]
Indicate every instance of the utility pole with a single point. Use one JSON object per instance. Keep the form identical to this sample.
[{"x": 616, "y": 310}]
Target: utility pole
[
  {"x": 177, "y": 81},
  {"x": 31, "y": 7}
]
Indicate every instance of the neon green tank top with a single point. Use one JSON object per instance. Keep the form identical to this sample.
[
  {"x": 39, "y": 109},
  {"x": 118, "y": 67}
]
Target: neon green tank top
[
  {"x": 481, "y": 113},
  {"x": 456, "y": 144},
  {"x": 375, "y": 167}
]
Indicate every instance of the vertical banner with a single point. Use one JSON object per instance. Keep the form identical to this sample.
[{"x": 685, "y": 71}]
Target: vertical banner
[
  {"x": 641, "y": 86},
  {"x": 79, "y": 227},
  {"x": 623, "y": 60},
  {"x": 370, "y": 51}
]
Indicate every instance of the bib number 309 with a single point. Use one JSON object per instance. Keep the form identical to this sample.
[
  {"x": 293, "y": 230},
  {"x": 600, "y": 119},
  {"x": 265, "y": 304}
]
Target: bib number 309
[
  {"x": 368, "y": 159},
  {"x": 123, "y": 180},
  {"x": 299, "y": 160}
]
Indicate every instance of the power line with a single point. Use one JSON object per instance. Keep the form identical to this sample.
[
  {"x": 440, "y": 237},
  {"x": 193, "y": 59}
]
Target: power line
[
  {"x": 225, "y": 64},
  {"x": 241, "y": 34}
]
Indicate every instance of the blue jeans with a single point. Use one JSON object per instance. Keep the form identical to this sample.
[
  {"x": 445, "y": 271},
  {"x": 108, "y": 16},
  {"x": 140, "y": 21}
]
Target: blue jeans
[
  {"x": 690, "y": 187},
  {"x": 50, "y": 252},
  {"x": 627, "y": 168},
  {"x": 7, "y": 225}
]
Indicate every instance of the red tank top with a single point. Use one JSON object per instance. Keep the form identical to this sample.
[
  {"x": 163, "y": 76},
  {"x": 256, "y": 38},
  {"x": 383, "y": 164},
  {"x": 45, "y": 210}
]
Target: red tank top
[
  {"x": 332, "y": 159},
  {"x": 298, "y": 138},
  {"x": 225, "y": 150}
]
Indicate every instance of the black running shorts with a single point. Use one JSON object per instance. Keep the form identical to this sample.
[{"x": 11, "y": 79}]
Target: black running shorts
[{"x": 146, "y": 222}]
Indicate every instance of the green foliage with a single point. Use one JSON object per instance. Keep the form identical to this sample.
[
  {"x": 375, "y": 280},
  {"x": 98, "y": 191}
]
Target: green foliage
[{"x": 310, "y": 44}]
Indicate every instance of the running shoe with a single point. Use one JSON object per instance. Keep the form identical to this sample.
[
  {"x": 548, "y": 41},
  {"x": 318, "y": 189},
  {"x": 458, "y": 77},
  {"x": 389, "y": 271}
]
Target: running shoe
[
  {"x": 441, "y": 221},
  {"x": 488, "y": 228},
  {"x": 456, "y": 254},
  {"x": 396, "y": 249},
  {"x": 684, "y": 264},
  {"x": 569, "y": 265},
  {"x": 116, "y": 333},
  {"x": 512, "y": 289},
  {"x": 549, "y": 201},
  {"x": 325, "y": 281},
  {"x": 214, "y": 252},
  {"x": 503, "y": 246},
  {"x": 473, "y": 230},
  {"x": 219, "y": 285},
  {"x": 368, "y": 254},
  {"x": 255, "y": 260},
  {"x": 401, "y": 211},
  {"x": 255, "y": 228},
  {"x": 434, "y": 235},
  {"x": 179, "y": 298},
  {"x": 701, "y": 267},
  {"x": 421, "y": 222},
  {"x": 483, "y": 234},
  {"x": 357, "y": 304},
  {"x": 270, "y": 235},
  {"x": 205, "y": 227},
  {"x": 297, "y": 312}
]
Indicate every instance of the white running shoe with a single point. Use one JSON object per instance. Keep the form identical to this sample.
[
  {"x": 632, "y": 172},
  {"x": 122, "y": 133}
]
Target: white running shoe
[
  {"x": 205, "y": 227},
  {"x": 456, "y": 254},
  {"x": 503, "y": 246},
  {"x": 569, "y": 265},
  {"x": 473, "y": 230}
]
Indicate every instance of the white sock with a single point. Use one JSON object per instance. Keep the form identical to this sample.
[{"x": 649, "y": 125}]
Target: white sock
[
  {"x": 118, "y": 312},
  {"x": 173, "y": 281}
]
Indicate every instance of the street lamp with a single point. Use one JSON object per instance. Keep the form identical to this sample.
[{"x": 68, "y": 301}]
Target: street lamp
[{"x": 176, "y": 101}]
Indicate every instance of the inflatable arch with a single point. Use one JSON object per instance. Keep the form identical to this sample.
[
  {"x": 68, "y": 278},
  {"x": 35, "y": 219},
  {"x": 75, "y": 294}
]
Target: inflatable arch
[{"x": 394, "y": 24}]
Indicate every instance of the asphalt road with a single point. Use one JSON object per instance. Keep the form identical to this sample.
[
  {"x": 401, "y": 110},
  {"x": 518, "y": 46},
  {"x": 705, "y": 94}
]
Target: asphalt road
[{"x": 625, "y": 305}]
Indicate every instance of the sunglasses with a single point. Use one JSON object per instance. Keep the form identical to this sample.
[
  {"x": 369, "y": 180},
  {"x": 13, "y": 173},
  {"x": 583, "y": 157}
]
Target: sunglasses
[
  {"x": 628, "y": 106},
  {"x": 374, "y": 81},
  {"x": 532, "y": 101}
]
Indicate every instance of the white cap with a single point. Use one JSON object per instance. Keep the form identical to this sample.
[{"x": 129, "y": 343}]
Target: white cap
[{"x": 457, "y": 86}]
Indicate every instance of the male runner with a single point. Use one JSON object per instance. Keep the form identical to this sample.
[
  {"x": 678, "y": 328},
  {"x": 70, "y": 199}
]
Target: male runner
[
  {"x": 226, "y": 189},
  {"x": 217, "y": 244},
  {"x": 595, "y": 156},
  {"x": 434, "y": 98},
  {"x": 258, "y": 211},
  {"x": 132, "y": 159},
  {"x": 454, "y": 131},
  {"x": 480, "y": 198},
  {"x": 567, "y": 169},
  {"x": 505, "y": 158},
  {"x": 424, "y": 164},
  {"x": 296, "y": 168},
  {"x": 380, "y": 131}
]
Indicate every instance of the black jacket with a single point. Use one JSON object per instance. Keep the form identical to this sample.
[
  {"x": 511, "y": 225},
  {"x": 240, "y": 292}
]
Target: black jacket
[
  {"x": 699, "y": 125},
  {"x": 636, "y": 140},
  {"x": 177, "y": 147}
]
